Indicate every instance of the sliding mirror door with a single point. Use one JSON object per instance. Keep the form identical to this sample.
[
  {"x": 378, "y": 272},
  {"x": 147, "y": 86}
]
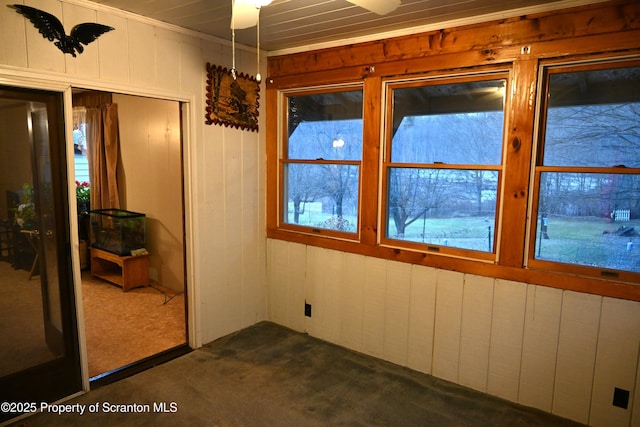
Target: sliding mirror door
[{"x": 39, "y": 359}]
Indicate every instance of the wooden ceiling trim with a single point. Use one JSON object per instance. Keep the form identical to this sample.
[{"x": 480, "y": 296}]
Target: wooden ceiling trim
[{"x": 492, "y": 39}]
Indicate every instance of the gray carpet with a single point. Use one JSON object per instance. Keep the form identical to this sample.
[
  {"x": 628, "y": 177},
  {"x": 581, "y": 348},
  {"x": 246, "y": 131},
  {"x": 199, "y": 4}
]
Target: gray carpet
[{"x": 267, "y": 375}]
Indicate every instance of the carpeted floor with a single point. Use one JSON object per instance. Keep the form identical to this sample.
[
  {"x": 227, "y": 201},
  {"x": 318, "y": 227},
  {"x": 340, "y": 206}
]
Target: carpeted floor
[
  {"x": 21, "y": 321},
  {"x": 124, "y": 327},
  {"x": 267, "y": 375},
  {"x": 121, "y": 327}
]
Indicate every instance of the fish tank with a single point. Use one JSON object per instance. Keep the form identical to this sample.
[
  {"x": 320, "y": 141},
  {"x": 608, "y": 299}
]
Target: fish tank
[{"x": 117, "y": 230}]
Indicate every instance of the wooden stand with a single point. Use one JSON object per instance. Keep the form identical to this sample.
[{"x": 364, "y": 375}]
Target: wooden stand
[{"x": 126, "y": 271}]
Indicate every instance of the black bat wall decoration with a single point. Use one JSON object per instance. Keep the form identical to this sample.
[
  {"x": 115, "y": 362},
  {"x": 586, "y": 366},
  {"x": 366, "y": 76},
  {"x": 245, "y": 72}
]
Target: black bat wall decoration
[{"x": 51, "y": 28}]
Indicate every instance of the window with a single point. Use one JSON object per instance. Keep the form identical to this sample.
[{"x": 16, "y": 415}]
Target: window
[
  {"x": 80, "y": 145},
  {"x": 321, "y": 161},
  {"x": 443, "y": 163},
  {"x": 587, "y": 177}
]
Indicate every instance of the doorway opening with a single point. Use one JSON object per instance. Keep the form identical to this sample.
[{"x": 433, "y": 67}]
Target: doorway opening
[{"x": 131, "y": 324}]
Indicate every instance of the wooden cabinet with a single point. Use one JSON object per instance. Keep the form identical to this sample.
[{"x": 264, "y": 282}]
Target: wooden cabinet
[{"x": 126, "y": 271}]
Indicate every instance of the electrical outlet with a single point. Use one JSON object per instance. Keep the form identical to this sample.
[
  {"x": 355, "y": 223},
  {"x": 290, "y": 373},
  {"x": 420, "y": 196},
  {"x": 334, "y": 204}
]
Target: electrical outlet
[
  {"x": 307, "y": 309},
  {"x": 620, "y": 398}
]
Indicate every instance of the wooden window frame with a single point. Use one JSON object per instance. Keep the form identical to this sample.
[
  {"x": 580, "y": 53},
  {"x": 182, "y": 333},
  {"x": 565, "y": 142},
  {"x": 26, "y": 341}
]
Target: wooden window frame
[
  {"x": 521, "y": 44},
  {"x": 284, "y": 160},
  {"x": 547, "y": 69},
  {"x": 480, "y": 74}
]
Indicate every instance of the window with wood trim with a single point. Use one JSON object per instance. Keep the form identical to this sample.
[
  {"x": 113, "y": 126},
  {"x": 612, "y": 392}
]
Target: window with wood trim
[
  {"x": 320, "y": 161},
  {"x": 443, "y": 163},
  {"x": 586, "y": 207}
]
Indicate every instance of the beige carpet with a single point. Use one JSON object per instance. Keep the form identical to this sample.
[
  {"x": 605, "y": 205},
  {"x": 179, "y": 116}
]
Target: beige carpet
[
  {"x": 22, "y": 342},
  {"x": 124, "y": 327}
]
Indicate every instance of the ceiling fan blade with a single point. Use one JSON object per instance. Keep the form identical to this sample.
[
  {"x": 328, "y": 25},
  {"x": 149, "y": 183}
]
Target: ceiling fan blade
[
  {"x": 244, "y": 15},
  {"x": 381, "y": 7}
]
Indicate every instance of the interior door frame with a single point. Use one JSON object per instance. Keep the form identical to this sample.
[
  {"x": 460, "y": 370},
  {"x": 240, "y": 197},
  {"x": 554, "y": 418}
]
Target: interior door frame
[{"x": 45, "y": 80}]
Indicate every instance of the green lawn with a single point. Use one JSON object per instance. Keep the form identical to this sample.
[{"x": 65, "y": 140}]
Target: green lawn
[{"x": 584, "y": 241}]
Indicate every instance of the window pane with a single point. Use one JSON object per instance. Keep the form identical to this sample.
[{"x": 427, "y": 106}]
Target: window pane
[
  {"x": 325, "y": 126},
  {"x": 442, "y": 207},
  {"x": 328, "y": 140},
  {"x": 322, "y": 196},
  {"x": 458, "y": 123},
  {"x": 593, "y": 118},
  {"x": 589, "y": 219}
]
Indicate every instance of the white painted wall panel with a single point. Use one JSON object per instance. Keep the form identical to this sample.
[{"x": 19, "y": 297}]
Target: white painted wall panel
[
  {"x": 142, "y": 58},
  {"x": 507, "y": 328},
  {"x": 422, "y": 313},
  {"x": 313, "y": 281},
  {"x": 167, "y": 68},
  {"x": 277, "y": 272},
  {"x": 396, "y": 324},
  {"x": 475, "y": 336},
  {"x": 86, "y": 63},
  {"x": 446, "y": 340},
  {"x": 13, "y": 49},
  {"x": 540, "y": 346},
  {"x": 352, "y": 294},
  {"x": 333, "y": 283},
  {"x": 616, "y": 361},
  {"x": 375, "y": 280},
  {"x": 41, "y": 53},
  {"x": 296, "y": 286},
  {"x": 576, "y": 355},
  {"x": 113, "y": 44}
]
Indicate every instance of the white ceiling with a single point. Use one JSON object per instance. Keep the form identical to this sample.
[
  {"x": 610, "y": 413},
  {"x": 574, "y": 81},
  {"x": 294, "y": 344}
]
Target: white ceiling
[{"x": 290, "y": 25}]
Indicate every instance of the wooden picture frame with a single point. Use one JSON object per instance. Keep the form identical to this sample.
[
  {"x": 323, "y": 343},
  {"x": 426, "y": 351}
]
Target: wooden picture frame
[{"x": 232, "y": 102}]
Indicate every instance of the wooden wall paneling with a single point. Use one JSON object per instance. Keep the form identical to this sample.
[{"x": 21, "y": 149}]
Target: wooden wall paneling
[
  {"x": 422, "y": 312},
  {"x": 540, "y": 346},
  {"x": 519, "y": 138},
  {"x": 86, "y": 63},
  {"x": 448, "y": 322},
  {"x": 352, "y": 313},
  {"x": 575, "y": 363},
  {"x": 616, "y": 361},
  {"x": 332, "y": 304},
  {"x": 13, "y": 50},
  {"x": 167, "y": 68},
  {"x": 475, "y": 331},
  {"x": 296, "y": 281},
  {"x": 233, "y": 227},
  {"x": 114, "y": 44},
  {"x": 370, "y": 161},
  {"x": 278, "y": 272},
  {"x": 489, "y": 37},
  {"x": 209, "y": 252},
  {"x": 142, "y": 54},
  {"x": 396, "y": 316},
  {"x": 253, "y": 265},
  {"x": 41, "y": 53},
  {"x": 375, "y": 281},
  {"x": 314, "y": 278},
  {"x": 507, "y": 329},
  {"x": 635, "y": 399}
]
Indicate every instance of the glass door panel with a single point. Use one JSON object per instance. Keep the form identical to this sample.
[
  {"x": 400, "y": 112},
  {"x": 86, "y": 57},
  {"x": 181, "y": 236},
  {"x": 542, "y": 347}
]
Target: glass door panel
[{"x": 39, "y": 350}]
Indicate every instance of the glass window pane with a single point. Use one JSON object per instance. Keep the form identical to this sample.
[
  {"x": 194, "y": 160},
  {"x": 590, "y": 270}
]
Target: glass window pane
[
  {"x": 589, "y": 219},
  {"x": 593, "y": 118},
  {"x": 442, "y": 207},
  {"x": 325, "y": 126},
  {"x": 458, "y": 123},
  {"x": 322, "y": 196},
  {"x": 327, "y": 140}
]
